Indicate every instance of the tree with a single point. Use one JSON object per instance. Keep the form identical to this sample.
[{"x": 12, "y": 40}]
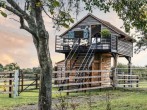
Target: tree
[
  {"x": 31, "y": 20},
  {"x": 1, "y": 67},
  {"x": 134, "y": 15},
  {"x": 11, "y": 67}
]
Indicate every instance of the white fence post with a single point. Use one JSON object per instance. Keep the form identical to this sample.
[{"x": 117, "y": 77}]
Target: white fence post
[{"x": 16, "y": 82}]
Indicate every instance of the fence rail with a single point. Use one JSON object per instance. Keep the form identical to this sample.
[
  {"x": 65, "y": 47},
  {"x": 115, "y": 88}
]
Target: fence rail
[
  {"x": 87, "y": 80},
  {"x": 13, "y": 82},
  {"x": 137, "y": 77}
]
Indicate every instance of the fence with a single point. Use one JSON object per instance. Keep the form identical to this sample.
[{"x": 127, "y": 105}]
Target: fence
[
  {"x": 136, "y": 78},
  {"x": 9, "y": 83},
  {"x": 73, "y": 81},
  {"x": 15, "y": 82}
]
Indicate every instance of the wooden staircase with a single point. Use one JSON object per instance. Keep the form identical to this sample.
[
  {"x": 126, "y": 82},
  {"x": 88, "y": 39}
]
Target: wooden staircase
[{"x": 81, "y": 61}]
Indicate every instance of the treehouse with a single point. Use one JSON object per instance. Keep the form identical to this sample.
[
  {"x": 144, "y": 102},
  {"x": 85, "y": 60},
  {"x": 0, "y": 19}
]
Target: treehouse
[{"x": 89, "y": 45}]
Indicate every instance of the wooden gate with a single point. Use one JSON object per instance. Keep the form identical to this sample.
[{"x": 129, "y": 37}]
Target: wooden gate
[{"x": 28, "y": 81}]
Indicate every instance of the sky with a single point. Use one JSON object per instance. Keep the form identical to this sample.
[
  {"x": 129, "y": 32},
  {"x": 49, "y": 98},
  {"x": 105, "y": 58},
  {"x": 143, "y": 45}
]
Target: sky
[{"x": 16, "y": 45}]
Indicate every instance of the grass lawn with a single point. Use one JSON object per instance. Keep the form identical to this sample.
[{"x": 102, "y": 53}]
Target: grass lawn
[
  {"x": 120, "y": 100},
  {"x": 25, "y": 98},
  {"x": 143, "y": 84}
]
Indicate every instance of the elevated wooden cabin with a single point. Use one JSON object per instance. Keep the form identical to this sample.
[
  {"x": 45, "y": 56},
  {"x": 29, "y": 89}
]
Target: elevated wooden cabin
[{"x": 86, "y": 49}]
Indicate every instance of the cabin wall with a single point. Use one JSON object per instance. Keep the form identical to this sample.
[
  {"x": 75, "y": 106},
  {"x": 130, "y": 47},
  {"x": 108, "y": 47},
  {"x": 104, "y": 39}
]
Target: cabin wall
[
  {"x": 125, "y": 48},
  {"x": 88, "y": 22},
  {"x": 101, "y": 62}
]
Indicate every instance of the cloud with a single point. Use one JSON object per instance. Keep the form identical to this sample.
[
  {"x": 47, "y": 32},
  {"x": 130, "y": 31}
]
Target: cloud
[
  {"x": 140, "y": 59},
  {"x": 16, "y": 45},
  {"x": 6, "y": 59},
  {"x": 34, "y": 62}
]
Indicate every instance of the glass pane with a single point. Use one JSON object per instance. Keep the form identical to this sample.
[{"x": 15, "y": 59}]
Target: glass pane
[{"x": 93, "y": 40}]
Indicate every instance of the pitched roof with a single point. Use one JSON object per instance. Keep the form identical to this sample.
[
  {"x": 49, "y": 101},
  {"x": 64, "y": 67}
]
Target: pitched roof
[{"x": 105, "y": 23}]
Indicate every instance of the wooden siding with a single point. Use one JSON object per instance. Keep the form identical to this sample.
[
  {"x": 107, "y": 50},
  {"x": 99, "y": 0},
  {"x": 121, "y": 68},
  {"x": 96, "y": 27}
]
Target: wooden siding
[
  {"x": 101, "y": 62},
  {"x": 88, "y": 22},
  {"x": 113, "y": 43},
  {"x": 125, "y": 48}
]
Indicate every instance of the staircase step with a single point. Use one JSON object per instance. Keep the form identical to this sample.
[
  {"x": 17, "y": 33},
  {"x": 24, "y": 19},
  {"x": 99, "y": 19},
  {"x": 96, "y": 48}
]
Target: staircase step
[
  {"x": 81, "y": 56},
  {"x": 80, "y": 64}
]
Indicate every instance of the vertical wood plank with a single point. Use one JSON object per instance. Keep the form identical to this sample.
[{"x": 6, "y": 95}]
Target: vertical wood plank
[
  {"x": 10, "y": 86},
  {"x": 16, "y": 82},
  {"x": 114, "y": 71},
  {"x": 67, "y": 82},
  {"x": 36, "y": 80},
  {"x": 22, "y": 81}
]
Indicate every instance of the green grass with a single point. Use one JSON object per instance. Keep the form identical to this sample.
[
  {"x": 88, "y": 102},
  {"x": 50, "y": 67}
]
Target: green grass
[
  {"x": 143, "y": 84},
  {"x": 24, "y": 99},
  {"x": 120, "y": 100}
]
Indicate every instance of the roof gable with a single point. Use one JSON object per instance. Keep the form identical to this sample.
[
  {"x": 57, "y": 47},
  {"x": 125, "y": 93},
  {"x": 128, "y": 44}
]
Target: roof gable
[{"x": 105, "y": 23}]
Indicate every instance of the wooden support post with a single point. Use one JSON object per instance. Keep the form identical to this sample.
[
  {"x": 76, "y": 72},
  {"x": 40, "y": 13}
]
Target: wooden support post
[
  {"x": 67, "y": 83},
  {"x": 5, "y": 83},
  {"x": 137, "y": 82},
  {"x": 22, "y": 81},
  {"x": 114, "y": 74},
  {"x": 36, "y": 80},
  {"x": 90, "y": 74},
  {"x": 16, "y": 83},
  {"x": 10, "y": 86},
  {"x": 129, "y": 71},
  {"x": 100, "y": 68},
  {"x": 85, "y": 81},
  {"x": 19, "y": 82},
  {"x": 124, "y": 81},
  {"x": 56, "y": 76}
]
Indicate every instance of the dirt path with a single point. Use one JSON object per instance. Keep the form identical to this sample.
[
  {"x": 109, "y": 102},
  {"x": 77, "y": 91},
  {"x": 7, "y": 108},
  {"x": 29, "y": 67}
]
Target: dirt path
[{"x": 77, "y": 100}]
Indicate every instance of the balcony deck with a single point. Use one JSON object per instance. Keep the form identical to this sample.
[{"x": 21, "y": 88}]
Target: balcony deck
[
  {"x": 113, "y": 44},
  {"x": 103, "y": 46}
]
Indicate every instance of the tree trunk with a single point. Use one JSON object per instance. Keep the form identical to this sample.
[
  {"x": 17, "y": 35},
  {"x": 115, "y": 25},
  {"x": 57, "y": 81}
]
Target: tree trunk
[
  {"x": 45, "y": 91},
  {"x": 42, "y": 46}
]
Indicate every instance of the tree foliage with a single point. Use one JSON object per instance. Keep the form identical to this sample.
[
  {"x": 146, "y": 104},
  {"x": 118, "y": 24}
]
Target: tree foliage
[
  {"x": 105, "y": 33},
  {"x": 1, "y": 67},
  {"x": 11, "y": 67},
  {"x": 134, "y": 15}
]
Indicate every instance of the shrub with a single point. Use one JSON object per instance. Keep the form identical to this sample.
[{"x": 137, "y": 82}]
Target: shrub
[{"x": 105, "y": 33}]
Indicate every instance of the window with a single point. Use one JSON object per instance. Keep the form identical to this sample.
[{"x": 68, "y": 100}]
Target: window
[
  {"x": 78, "y": 34},
  {"x": 93, "y": 40},
  {"x": 95, "y": 29}
]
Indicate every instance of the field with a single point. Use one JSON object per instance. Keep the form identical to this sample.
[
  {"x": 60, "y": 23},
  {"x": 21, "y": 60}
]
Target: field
[{"x": 119, "y": 100}]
